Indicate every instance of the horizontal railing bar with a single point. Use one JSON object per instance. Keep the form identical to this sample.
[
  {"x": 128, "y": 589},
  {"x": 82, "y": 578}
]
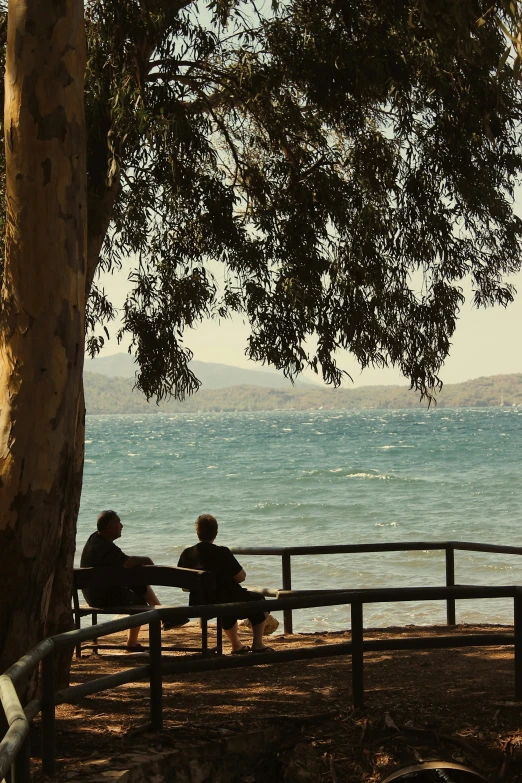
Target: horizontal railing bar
[
  {"x": 439, "y": 642},
  {"x": 372, "y": 595},
  {"x": 399, "y": 546},
  {"x": 104, "y": 629},
  {"x": 495, "y": 548},
  {"x": 182, "y": 666},
  {"x": 32, "y": 709},
  {"x": 29, "y": 661},
  {"x": 11, "y": 744},
  {"x": 17, "y": 723},
  {"x": 328, "y": 590},
  {"x": 10, "y": 701},
  {"x": 325, "y": 549},
  {"x": 399, "y": 594},
  {"x": 74, "y": 692},
  {"x": 379, "y": 595},
  {"x": 332, "y": 549},
  {"x": 314, "y": 591},
  {"x": 194, "y": 665}
]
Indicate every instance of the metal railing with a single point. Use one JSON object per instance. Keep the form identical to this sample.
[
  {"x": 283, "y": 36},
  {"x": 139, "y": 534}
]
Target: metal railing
[
  {"x": 449, "y": 547},
  {"x": 14, "y": 748}
]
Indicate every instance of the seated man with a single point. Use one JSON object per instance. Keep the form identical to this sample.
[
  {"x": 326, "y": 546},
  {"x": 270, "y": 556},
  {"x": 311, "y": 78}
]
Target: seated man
[
  {"x": 100, "y": 550},
  {"x": 206, "y": 556}
]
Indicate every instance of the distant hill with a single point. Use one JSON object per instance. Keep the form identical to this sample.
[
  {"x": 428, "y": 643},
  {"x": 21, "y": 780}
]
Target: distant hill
[
  {"x": 115, "y": 395},
  {"x": 211, "y": 375}
]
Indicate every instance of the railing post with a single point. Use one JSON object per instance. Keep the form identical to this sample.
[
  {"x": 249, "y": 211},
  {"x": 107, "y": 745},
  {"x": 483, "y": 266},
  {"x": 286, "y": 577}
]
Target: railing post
[
  {"x": 287, "y": 585},
  {"x": 219, "y": 635},
  {"x": 357, "y": 654},
  {"x": 77, "y": 619},
  {"x": 204, "y": 636},
  {"x": 94, "y": 621},
  {"x": 21, "y": 767},
  {"x": 450, "y": 582},
  {"x": 517, "y": 623},
  {"x": 48, "y": 716},
  {"x": 155, "y": 675}
]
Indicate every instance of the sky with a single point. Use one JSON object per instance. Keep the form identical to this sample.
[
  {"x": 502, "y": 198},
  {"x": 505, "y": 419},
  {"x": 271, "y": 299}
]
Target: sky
[{"x": 485, "y": 342}]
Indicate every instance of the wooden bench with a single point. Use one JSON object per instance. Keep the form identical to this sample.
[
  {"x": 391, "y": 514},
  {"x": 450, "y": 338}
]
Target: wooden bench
[{"x": 165, "y": 576}]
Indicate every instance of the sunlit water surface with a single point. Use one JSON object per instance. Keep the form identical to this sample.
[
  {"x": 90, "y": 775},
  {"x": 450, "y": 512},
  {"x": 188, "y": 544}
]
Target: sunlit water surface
[{"x": 320, "y": 477}]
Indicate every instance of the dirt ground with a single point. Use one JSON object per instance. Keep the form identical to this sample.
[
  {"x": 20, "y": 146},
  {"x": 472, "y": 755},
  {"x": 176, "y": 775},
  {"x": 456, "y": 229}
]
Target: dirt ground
[{"x": 422, "y": 705}]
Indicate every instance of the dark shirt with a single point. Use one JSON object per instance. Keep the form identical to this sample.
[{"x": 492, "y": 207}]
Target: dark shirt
[
  {"x": 99, "y": 551},
  {"x": 220, "y": 560}
]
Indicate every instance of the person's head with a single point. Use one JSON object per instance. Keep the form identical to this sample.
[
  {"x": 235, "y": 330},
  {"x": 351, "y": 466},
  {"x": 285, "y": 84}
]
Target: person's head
[
  {"x": 109, "y": 525},
  {"x": 206, "y": 527}
]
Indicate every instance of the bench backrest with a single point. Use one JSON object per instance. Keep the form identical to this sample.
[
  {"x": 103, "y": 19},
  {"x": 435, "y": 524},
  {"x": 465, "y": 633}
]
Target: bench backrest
[{"x": 187, "y": 578}]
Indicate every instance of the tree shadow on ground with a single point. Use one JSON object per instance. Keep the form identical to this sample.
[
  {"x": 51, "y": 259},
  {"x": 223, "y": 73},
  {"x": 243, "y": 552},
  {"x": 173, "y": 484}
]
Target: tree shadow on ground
[{"x": 418, "y": 704}]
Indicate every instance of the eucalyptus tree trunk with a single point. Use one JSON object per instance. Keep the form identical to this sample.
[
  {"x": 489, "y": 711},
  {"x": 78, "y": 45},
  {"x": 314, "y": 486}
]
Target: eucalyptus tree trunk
[
  {"x": 59, "y": 614},
  {"x": 43, "y": 307}
]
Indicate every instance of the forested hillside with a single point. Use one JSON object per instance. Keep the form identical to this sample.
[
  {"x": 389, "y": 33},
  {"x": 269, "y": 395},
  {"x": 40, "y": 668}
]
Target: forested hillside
[{"x": 115, "y": 395}]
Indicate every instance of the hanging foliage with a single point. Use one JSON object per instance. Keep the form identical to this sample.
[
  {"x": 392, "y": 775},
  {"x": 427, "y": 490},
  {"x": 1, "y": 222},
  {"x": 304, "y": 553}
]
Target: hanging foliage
[{"x": 338, "y": 167}]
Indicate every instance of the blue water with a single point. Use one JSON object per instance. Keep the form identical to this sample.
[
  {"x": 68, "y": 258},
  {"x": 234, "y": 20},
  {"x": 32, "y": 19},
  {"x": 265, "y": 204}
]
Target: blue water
[{"x": 320, "y": 477}]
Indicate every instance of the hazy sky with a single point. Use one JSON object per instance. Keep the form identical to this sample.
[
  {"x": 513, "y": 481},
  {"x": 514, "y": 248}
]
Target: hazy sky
[{"x": 485, "y": 342}]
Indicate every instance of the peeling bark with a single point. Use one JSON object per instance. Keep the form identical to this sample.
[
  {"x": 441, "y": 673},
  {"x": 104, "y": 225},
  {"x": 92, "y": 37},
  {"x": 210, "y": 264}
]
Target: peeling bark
[
  {"x": 59, "y": 615},
  {"x": 43, "y": 308}
]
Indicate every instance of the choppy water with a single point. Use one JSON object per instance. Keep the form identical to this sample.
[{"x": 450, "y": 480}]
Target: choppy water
[{"x": 320, "y": 477}]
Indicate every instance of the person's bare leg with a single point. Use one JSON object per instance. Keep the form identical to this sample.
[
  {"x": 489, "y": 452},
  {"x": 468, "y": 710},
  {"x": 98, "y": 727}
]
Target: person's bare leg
[
  {"x": 232, "y": 635},
  {"x": 151, "y": 598},
  {"x": 257, "y": 633},
  {"x": 132, "y": 638}
]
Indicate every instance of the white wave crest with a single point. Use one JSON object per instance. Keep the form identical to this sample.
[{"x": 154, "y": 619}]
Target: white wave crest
[{"x": 380, "y": 476}]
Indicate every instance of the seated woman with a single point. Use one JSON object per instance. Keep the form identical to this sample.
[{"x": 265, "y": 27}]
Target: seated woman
[{"x": 206, "y": 556}]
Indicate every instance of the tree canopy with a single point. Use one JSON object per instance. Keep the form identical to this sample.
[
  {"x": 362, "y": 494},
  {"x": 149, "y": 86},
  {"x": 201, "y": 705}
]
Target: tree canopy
[
  {"x": 346, "y": 163},
  {"x": 343, "y": 164}
]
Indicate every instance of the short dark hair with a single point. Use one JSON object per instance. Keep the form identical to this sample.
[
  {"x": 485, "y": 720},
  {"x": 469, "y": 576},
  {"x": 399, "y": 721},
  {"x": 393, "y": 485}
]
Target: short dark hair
[
  {"x": 206, "y": 527},
  {"x": 105, "y": 519}
]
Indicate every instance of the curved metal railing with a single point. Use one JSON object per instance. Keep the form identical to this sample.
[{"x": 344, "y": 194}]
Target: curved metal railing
[{"x": 14, "y": 747}]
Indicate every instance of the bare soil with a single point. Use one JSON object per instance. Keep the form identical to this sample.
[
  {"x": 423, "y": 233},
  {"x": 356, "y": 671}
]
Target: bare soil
[{"x": 422, "y": 705}]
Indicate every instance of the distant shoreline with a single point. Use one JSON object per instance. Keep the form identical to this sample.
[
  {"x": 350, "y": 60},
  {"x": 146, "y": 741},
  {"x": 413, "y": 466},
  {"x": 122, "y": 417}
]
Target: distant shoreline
[{"x": 114, "y": 395}]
